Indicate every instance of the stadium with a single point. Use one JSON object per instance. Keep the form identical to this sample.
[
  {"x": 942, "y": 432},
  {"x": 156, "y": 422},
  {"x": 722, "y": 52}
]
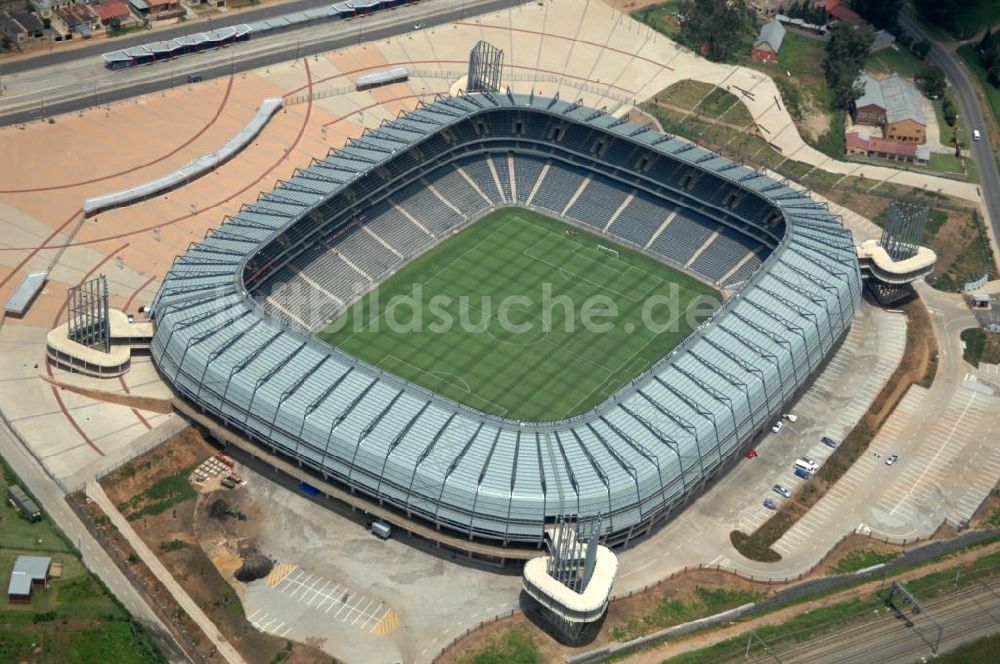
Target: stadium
[{"x": 238, "y": 314}]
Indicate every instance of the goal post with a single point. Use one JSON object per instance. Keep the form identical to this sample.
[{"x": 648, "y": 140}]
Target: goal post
[{"x": 601, "y": 249}]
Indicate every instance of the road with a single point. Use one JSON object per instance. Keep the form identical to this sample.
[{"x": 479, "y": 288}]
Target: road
[
  {"x": 94, "y": 557},
  {"x": 894, "y": 638},
  {"x": 968, "y": 100},
  {"x": 62, "y": 54},
  {"x": 79, "y": 82}
]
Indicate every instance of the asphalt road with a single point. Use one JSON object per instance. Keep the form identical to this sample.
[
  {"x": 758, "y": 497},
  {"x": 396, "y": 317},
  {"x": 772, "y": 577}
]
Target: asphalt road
[
  {"x": 95, "y": 558},
  {"x": 59, "y": 55},
  {"x": 368, "y": 28},
  {"x": 982, "y": 151}
]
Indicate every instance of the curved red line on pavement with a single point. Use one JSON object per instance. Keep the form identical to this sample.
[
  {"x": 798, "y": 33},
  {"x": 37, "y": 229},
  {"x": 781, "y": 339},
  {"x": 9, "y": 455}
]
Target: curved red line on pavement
[
  {"x": 35, "y": 250},
  {"x": 128, "y": 302},
  {"x": 456, "y": 62},
  {"x": 191, "y": 140},
  {"x": 48, "y": 366},
  {"x": 565, "y": 38},
  {"x": 121, "y": 379},
  {"x": 376, "y": 104},
  {"x": 241, "y": 191},
  {"x": 292, "y": 146}
]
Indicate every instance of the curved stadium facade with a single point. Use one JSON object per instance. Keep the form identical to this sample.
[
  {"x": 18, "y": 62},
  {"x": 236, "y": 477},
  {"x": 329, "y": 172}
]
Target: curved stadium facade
[{"x": 237, "y": 354}]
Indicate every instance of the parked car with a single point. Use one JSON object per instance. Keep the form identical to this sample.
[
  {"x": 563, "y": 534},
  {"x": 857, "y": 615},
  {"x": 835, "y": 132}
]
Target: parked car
[
  {"x": 804, "y": 474},
  {"x": 891, "y": 459},
  {"x": 751, "y": 454},
  {"x": 782, "y": 491},
  {"x": 777, "y": 426},
  {"x": 790, "y": 417},
  {"x": 829, "y": 442},
  {"x": 770, "y": 504}
]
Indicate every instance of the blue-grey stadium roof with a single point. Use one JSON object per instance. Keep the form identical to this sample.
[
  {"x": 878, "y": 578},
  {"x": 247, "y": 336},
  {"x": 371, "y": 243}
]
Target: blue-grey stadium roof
[{"x": 635, "y": 459}]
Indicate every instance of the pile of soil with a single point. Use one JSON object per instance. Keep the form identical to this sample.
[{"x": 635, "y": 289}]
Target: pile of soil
[
  {"x": 217, "y": 510},
  {"x": 255, "y": 566}
]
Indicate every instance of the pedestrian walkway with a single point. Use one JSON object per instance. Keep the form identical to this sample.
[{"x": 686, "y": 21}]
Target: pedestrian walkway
[{"x": 96, "y": 493}]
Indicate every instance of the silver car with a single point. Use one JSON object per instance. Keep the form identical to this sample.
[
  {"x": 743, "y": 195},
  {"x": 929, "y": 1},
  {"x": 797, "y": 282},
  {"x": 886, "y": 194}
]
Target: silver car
[{"x": 782, "y": 491}]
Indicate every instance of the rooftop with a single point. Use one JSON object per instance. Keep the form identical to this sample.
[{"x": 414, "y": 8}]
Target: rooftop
[
  {"x": 27, "y": 569},
  {"x": 772, "y": 34},
  {"x": 902, "y": 101}
]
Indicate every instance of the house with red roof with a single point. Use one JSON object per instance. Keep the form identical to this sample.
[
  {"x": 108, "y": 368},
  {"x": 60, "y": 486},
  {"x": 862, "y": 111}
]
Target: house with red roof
[
  {"x": 840, "y": 11},
  {"x": 113, "y": 9}
]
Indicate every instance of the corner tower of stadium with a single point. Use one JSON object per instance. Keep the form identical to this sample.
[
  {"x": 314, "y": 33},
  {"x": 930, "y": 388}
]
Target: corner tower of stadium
[{"x": 789, "y": 264}]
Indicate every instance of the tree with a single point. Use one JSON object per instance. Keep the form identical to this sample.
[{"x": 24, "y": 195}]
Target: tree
[
  {"x": 846, "y": 52},
  {"x": 943, "y": 13},
  {"x": 921, "y": 48},
  {"x": 931, "y": 80},
  {"x": 880, "y": 13},
  {"x": 717, "y": 27},
  {"x": 949, "y": 112}
]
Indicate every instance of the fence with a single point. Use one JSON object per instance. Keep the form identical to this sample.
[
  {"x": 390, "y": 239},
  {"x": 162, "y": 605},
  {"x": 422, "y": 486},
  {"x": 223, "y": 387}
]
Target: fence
[
  {"x": 137, "y": 582},
  {"x": 976, "y": 284},
  {"x": 928, "y": 550},
  {"x": 797, "y": 592}
]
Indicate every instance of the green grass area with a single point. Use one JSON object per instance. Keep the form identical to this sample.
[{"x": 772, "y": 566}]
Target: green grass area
[
  {"x": 803, "y": 627},
  {"x": 669, "y": 612},
  {"x": 707, "y": 100},
  {"x": 516, "y": 318},
  {"x": 945, "y": 163},
  {"x": 975, "y": 16},
  {"x": 802, "y": 55},
  {"x": 936, "y": 219},
  {"x": 831, "y": 143},
  {"x": 17, "y": 532},
  {"x": 74, "y": 619},
  {"x": 160, "y": 497},
  {"x": 516, "y": 646},
  {"x": 980, "y": 651},
  {"x": 980, "y": 346},
  {"x": 891, "y": 60},
  {"x": 861, "y": 559},
  {"x": 942, "y": 582},
  {"x": 971, "y": 57},
  {"x": 661, "y": 18}
]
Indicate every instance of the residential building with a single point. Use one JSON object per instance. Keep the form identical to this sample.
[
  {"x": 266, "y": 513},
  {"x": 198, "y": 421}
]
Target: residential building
[
  {"x": 883, "y": 39},
  {"x": 768, "y": 42},
  {"x": 904, "y": 115},
  {"x": 74, "y": 20},
  {"x": 12, "y": 29},
  {"x": 111, "y": 10},
  {"x": 29, "y": 573},
  {"x": 861, "y": 144},
  {"x": 839, "y": 10},
  {"x": 894, "y": 105}
]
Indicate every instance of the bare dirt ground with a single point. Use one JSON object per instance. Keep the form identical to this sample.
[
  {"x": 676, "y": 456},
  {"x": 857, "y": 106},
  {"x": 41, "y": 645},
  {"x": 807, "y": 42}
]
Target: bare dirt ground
[{"x": 172, "y": 535}]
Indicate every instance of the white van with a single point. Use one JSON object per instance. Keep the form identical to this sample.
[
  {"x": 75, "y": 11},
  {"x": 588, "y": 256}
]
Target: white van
[
  {"x": 381, "y": 529},
  {"x": 976, "y": 135},
  {"x": 806, "y": 465}
]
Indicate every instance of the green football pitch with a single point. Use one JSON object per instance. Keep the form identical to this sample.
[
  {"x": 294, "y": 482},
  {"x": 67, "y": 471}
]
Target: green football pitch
[{"x": 512, "y": 316}]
